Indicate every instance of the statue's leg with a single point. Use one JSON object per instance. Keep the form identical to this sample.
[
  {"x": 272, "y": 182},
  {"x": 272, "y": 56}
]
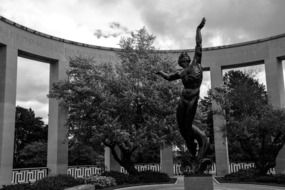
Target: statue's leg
[
  {"x": 184, "y": 120},
  {"x": 191, "y": 111}
]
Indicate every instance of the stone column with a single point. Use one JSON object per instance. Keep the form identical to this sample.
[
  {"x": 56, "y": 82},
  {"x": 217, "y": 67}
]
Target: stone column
[
  {"x": 8, "y": 85},
  {"x": 221, "y": 143},
  {"x": 57, "y": 162},
  {"x": 166, "y": 160},
  {"x": 110, "y": 163},
  {"x": 275, "y": 82},
  {"x": 276, "y": 95}
]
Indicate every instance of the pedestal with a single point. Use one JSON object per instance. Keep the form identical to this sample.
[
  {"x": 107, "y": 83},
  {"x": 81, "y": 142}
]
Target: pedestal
[{"x": 198, "y": 183}]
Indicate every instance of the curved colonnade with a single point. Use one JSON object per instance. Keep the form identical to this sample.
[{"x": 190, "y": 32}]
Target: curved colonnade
[{"x": 17, "y": 40}]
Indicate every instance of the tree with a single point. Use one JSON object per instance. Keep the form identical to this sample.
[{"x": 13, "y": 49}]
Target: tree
[
  {"x": 82, "y": 154},
  {"x": 28, "y": 129},
  {"x": 204, "y": 117},
  {"x": 148, "y": 154},
  {"x": 33, "y": 154},
  {"x": 253, "y": 127},
  {"x": 124, "y": 105}
]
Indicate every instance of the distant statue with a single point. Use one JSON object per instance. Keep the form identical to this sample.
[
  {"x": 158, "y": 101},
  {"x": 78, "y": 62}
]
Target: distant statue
[{"x": 191, "y": 77}]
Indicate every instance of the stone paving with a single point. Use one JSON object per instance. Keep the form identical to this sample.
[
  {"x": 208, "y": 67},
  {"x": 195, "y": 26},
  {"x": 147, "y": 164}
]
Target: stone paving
[{"x": 217, "y": 186}]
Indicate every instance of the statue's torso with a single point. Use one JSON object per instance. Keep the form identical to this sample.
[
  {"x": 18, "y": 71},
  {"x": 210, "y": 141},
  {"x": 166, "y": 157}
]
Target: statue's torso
[{"x": 192, "y": 76}]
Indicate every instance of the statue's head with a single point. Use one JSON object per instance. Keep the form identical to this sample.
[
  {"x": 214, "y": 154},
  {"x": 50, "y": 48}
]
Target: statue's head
[{"x": 184, "y": 60}]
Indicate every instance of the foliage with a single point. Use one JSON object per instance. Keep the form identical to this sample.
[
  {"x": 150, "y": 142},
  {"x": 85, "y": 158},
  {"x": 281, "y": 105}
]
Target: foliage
[
  {"x": 241, "y": 175},
  {"x": 82, "y": 154},
  {"x": 250, "y": 175},
  {"x": 152, "y": 177},
  {"x": 29, "y": 130},
  {"x": 121, "y": 178},
  {"x": 189, "y": 164},
  {"x": 34, "y": 155},
  {"x": 148, "y": 154},
  {"x": 204, "y": 117},
  {"x": 58, "y": 182},
  {"x": 124, "y": 105},
  {"x": 101, "y": 182},
  {"x": 17, "y": 187},
  {"x": 279, "y": 179},
  {"x": 253, "y": 127},
  {"x": 140, "y": 177}
]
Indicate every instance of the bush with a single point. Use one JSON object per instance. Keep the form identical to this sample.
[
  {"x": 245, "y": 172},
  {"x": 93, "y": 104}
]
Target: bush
[
  {"x": 271, "y": 179},
  {"x": 250, "y": 175},
  {"x": 280, "y": 178},
  {"x": 242, "y": 175},
  {"x": 17, "y": 187},
  {"x": 58, "y": 182},
  {"x": 266, "y": 179},
  {"x": 141, "y": 177},
  {"x": 120, "y": 178},
  {"x": 151, "y": 177},
  {"x": 101, "y": 182}
]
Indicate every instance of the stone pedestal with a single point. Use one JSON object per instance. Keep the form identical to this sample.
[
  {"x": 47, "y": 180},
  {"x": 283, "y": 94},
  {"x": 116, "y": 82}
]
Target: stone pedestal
[{"x": 198, "y": 183}]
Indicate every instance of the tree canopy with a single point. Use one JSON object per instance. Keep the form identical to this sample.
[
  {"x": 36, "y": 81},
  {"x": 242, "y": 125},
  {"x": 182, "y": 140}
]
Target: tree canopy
[
  {"x": 124, "y": 105},
  {"x": 29, "y": 129},
  {"x": 255, "y": 130}
]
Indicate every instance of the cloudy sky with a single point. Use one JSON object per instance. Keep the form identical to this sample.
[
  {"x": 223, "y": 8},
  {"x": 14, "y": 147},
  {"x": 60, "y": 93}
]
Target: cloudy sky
[{"x": 103, "y": 22}]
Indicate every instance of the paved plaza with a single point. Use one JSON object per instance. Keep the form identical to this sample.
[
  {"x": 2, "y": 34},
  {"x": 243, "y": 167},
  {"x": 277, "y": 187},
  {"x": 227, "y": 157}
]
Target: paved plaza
[{"x": 224, "y": 186}]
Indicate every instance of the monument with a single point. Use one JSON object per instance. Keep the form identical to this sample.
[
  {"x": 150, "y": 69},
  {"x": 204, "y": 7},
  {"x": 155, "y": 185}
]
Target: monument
[
  {"x": 191, "y": 76},
  {"x": 17, "y": 40}
]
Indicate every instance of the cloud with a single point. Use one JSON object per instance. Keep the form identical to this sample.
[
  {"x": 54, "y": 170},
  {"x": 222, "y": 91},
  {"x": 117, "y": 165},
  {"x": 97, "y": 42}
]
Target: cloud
[
  {"x": 2, "y": 10},
  {"x": 40, "y": 109},
  {"x": 103, "y": 22},
  {"x": 118, "y": 26},
  {"x": 116, "y": 30},
  {"x": 173, "y": 22},
  {"x": 228, "y": 21},
  {"x": 33, "y": 86}
]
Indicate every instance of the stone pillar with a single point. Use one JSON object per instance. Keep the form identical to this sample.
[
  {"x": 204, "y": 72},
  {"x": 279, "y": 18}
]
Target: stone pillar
[
  {"x": 275, "y": 82},
  {"x": 57, "y": 161},
  {"x": 276, "y": 95},
  {"x": 8, "y": 85},
  {"x": 110, "y": 163},
  {"x": 166, "y": 160},
  {"x": 221, "y": 143}
]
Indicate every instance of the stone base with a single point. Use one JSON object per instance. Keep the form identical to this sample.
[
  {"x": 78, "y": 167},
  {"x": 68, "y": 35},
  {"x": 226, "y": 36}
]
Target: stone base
[{"x": 198, "y": 183}]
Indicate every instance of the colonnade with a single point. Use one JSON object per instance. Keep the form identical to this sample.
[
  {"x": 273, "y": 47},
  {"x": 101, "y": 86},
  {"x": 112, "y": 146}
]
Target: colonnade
[{"x": 17, "y": 40}]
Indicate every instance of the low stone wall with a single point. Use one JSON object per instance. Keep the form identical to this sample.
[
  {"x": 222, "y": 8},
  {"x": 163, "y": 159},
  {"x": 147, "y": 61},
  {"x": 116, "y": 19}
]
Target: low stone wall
[{"x": 30, "y": 175}]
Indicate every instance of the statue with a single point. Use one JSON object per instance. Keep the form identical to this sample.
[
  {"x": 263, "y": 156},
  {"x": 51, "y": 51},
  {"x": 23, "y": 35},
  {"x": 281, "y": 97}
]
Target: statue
[{"x": 191, "y": 77}]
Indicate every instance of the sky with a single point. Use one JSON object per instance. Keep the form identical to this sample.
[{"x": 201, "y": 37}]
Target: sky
[{"x": 104, "y": 22}]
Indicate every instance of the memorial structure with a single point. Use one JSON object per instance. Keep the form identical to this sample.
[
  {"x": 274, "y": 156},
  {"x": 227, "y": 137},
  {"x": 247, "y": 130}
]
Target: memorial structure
[{"x": 17, "y": 40}]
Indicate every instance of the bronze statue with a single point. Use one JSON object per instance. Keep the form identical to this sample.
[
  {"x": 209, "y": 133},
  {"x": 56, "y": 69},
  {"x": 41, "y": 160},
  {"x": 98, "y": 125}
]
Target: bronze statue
[{"x": 191, "y": 77}]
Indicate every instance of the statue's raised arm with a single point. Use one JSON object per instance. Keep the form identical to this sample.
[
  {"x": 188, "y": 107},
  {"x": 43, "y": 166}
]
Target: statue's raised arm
[{"x": 198, "y": 48}]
